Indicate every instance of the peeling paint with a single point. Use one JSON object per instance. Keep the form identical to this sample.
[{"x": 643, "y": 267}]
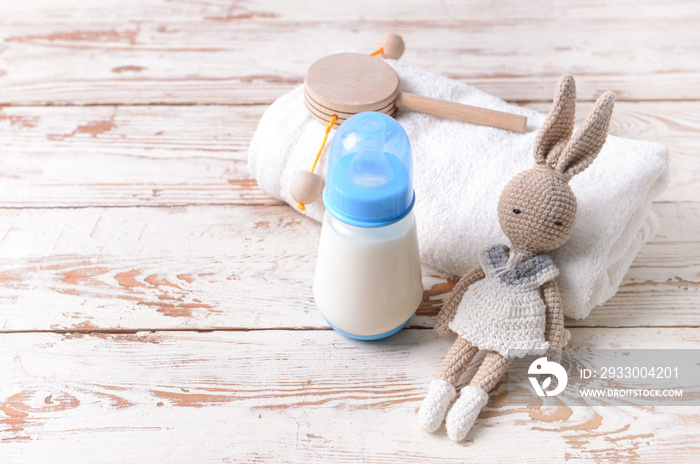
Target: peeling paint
[
  {"x": 130, "y": 68},
  {"x": 20, "y": 412},
  {"x": 193, "y": 400},
  {"x": 93, "y": 128},
  {"x": 156, "y": 282},
  {"x": 16, "y": 120},
  {"x": 75, "y": 276},
  {"x": 72, "y": 37},
  {"x": 187, "y": 278},
  {"x": 126, "y": 279}
]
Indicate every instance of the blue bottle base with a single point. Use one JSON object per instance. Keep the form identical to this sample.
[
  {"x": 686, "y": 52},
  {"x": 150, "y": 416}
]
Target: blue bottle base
[{"x": 367, "y": 337}]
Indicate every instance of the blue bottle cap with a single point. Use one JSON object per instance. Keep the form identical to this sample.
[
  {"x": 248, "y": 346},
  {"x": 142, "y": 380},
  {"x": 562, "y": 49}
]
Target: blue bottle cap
[{"x": 370, "y": 172}]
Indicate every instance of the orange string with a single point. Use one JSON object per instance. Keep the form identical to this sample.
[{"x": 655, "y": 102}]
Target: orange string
[
  {"x": 378, "y": 51},
  {"x": 327, "y": 129}
]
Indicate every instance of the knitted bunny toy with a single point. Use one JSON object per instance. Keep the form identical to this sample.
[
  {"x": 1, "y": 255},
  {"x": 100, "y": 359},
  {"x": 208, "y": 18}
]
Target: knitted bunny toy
[{"x": 509, "y": 303}]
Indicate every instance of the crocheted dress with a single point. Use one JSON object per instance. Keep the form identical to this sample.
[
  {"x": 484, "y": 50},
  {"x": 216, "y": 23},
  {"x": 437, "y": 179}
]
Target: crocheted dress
[{"x": 504, "y": 311}]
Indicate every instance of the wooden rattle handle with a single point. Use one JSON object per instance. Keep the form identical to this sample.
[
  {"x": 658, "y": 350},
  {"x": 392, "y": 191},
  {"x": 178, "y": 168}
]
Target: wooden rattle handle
[{"x": 461, "y": 112}]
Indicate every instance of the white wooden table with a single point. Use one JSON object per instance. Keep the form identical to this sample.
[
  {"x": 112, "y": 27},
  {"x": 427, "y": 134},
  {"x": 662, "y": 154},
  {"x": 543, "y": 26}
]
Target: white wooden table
[{"x": 155, "y": 305}]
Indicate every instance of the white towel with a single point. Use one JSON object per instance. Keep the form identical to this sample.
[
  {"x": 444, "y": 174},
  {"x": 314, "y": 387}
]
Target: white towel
[{"x": 459, "y": 171}]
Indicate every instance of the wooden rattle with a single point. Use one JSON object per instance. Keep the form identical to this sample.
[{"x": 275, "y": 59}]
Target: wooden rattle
[
  {"x": 349, "y": 83},
  {"x": 306, "y": 186},
  {"x": 342, "y": 85}
]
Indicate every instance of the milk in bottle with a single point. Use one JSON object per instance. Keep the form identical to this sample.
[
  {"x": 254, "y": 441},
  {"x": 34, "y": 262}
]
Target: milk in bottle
[{"x": 367, "y": 282}]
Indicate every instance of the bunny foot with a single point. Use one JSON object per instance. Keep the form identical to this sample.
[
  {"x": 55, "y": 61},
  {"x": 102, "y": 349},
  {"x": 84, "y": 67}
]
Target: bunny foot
[
  {"x": 432, "y": 411},
  {"x": 464, "y": 412}
]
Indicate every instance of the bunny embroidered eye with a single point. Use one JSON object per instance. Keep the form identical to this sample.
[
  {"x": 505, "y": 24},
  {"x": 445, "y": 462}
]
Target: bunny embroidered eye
[
  {"x": 558, "y": 223},
  {"x": 516, "y": 211}
]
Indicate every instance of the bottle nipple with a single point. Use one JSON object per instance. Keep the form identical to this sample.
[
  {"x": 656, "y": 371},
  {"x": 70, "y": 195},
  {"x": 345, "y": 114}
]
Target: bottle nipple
[{"x": 370, "y": 167}]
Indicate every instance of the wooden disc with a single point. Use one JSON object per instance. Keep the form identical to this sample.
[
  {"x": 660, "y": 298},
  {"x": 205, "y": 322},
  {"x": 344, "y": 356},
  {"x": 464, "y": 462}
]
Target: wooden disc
[
  {"x": 311, "y": 102},
  {"x": 324, "y": 115},
  {"x": 351, "y": 83},
  {"x": 324, "y": 118}
]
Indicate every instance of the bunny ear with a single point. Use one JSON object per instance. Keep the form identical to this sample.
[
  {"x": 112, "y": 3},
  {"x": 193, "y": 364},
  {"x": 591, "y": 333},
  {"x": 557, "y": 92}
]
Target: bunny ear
[
  {"x": 559, "y": 126},
  {"x": 585, "y": 145}
]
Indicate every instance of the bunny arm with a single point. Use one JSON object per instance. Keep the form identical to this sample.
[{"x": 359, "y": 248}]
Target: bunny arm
[
  {"x": 554, "y": 327},
  {"x": 449, "y": 309}
]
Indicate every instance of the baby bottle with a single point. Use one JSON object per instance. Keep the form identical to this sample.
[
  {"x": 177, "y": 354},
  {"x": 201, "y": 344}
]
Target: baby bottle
[{"x": 368, "y": 283}]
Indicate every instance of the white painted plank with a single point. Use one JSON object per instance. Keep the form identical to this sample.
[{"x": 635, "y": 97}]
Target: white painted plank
[
  {"x": 165, "y": 155},
  {"x": 244, "y": 267},
  {"x": 122, "y": 156},
  {"x": 254, "y": 60},
  {"x": 280, "y": 396},
  {"x": 300, "y": 396},
  {"x": 177, "y": 11}
]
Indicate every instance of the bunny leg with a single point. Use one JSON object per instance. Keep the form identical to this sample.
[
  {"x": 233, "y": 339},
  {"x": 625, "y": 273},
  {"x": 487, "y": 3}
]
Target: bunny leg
[
  {"x": 490, "y": 372},
  {"x": 475, "y": 396},
  {"x": 441, "y": 391}
]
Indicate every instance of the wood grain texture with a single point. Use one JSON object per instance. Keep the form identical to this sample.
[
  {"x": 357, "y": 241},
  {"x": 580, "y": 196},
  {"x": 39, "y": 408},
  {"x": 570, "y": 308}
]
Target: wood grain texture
[
  {"x": 304, "y": 396},
  {"x": 252, "y": 52},
  {"x": 351, "y": 83},
  {"x": 155, "y": 305},
  {"x": 191, "y": 155},
  {"x": 127, "y": 156},
  {"x": 460, "y": 112},
  {"x": 251, "y": 268},
  {"x": 38, "y": 12}
]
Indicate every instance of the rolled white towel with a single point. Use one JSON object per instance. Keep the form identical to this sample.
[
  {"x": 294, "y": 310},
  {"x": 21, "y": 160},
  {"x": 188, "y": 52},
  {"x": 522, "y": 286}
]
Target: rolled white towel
[{"x": 459, "y": 172}]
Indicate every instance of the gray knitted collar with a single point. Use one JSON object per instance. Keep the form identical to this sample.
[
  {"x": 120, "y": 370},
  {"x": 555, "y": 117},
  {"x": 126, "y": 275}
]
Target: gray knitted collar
[{"x": 497, "y": 257}]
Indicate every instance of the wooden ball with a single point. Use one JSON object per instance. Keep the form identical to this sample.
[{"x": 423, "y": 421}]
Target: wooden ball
[
  {"x": 393, "y": 46},
  {"x": 306, "y": 187}
]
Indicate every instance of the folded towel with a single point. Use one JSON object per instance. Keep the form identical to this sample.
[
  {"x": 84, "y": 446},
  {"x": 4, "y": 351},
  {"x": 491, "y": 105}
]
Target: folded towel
[{"x": 459, "y": 172}]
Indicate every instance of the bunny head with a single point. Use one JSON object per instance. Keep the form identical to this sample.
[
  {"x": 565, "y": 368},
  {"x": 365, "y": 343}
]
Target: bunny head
[{"x": 537, "y": 208}]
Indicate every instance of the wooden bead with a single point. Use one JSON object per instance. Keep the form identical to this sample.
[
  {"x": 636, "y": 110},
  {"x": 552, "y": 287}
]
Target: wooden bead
[
  {"x": 393, "y": 46},
  {"x": 306, "y": 187}
]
